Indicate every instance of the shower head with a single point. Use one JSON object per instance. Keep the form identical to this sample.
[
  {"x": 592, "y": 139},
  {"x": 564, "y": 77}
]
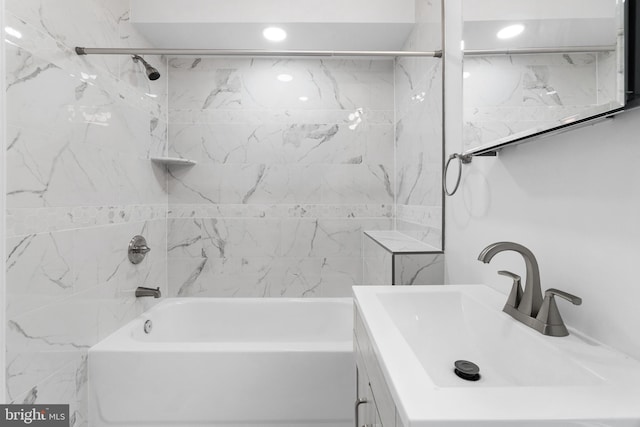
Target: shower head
[{"x": 152, "y": 73}]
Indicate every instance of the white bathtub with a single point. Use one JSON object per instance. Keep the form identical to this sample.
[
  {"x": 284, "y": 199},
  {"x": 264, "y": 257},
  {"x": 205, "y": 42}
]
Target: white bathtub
[{"x": 228, "y": 362}]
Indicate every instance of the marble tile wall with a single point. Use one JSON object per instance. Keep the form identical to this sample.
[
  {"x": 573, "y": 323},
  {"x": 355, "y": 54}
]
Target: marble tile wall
[
  {"x": 79, "y": 186},
  {"x": 289, "y": 173},
  {"x": 418, "y": 140},
  {"x": 377, "y": 263},
  {"x": 381, "y": 267},
  {"x": 510, "y": 94},
  {"x": 418, "y": 269}
]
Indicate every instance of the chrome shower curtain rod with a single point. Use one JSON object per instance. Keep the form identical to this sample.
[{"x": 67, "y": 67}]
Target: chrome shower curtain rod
[
  {"x": 539, "y": 50},
  {"x": 248, "y": 52}
]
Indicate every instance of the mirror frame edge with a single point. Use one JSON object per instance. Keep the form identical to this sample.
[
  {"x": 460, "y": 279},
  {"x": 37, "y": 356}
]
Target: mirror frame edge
[{"x": 631, "y": 81}]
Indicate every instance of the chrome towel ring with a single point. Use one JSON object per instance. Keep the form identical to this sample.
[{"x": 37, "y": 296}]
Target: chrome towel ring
[{"x": 463, "y": 159}]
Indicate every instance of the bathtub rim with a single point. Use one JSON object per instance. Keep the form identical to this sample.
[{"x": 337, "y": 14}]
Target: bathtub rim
[{"x": 121, "y": 339}]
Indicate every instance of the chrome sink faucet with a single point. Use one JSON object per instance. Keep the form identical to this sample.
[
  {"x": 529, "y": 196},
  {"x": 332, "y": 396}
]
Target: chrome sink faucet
[
  {"x": 532, "y": 296},
  {"x": 528, "y": 306}
]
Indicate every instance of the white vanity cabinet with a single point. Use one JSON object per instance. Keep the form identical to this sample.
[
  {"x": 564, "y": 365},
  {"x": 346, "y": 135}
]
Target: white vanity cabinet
[{"x": 378, "y": 408}]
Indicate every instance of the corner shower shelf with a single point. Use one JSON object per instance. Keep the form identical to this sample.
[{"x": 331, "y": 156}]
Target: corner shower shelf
[{"x": 172, "y": 161}]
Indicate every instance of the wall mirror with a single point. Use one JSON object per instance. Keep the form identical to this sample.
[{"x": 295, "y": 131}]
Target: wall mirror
[{"x": 535, "y": 67}]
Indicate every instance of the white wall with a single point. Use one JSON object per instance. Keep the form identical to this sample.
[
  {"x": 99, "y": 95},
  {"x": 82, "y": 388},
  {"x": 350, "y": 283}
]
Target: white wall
[{"x": 572, "y": 199}]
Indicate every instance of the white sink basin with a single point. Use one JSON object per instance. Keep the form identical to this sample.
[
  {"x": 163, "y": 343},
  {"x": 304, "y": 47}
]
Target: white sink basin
[
  {"x": 526, "y": 378},
  {"x": 456, "y": 326}
]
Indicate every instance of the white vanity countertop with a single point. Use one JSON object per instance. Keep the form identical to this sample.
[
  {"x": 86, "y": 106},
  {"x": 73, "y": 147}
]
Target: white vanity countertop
[{"x": 605, "y": 386}]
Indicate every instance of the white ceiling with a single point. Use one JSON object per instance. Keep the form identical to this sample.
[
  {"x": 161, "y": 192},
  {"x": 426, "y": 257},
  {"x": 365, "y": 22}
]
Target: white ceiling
[
  {"x": 541, "y": 33},
  {"x": 312, "y": 36},
  {"x": 310, "y": 24},
  {"x": 491, "y": 10},
  {"x": 366, "y": 24},
  {"x": 548, "y": 23}
]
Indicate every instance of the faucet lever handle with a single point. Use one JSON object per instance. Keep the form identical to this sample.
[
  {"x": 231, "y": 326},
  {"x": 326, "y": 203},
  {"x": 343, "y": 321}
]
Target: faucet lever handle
[
  {"x": 143, "y": 249},
  {"x": 549, "y": 316},
  {"x": 509, "y": 274},
  {"x": 575, "y": 300},
  {"x": 516, "y": 290}
]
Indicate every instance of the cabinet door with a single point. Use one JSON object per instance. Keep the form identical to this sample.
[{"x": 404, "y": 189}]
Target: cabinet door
[
  {"x": 366, "y": 411},
  {"x": 377, "y": 420},
  {"x": 368, "y": 415},
  {"x": 366, "y": 359}
]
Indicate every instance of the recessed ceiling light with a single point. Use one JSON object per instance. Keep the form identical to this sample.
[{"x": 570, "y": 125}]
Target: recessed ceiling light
[
  {"x": 13, "y": 32},
  {"x": 274, "y": 34},
  {"x": 304, "y": 98},
  {"x": 466, "y": 75},
  {"x": 285, "y": 77},
  {"x": 510, "y": 31}
]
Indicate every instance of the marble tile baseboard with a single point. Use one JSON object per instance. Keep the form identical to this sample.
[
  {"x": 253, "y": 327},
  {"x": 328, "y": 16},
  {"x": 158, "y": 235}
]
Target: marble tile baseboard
[{"x": 44, "y": 220}]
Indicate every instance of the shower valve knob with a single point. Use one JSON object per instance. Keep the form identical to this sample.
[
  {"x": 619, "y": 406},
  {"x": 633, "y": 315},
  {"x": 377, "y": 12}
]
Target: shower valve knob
[{"x": 138, "y": 249}]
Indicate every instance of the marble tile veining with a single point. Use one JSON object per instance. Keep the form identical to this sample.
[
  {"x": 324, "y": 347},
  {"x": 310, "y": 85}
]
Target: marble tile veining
[
  {"x": 288, "y": 173},
  {"x": 79, "y": 186},
  {"x": 418, "y": 134},
  {"x": 531, "y": 91}
]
